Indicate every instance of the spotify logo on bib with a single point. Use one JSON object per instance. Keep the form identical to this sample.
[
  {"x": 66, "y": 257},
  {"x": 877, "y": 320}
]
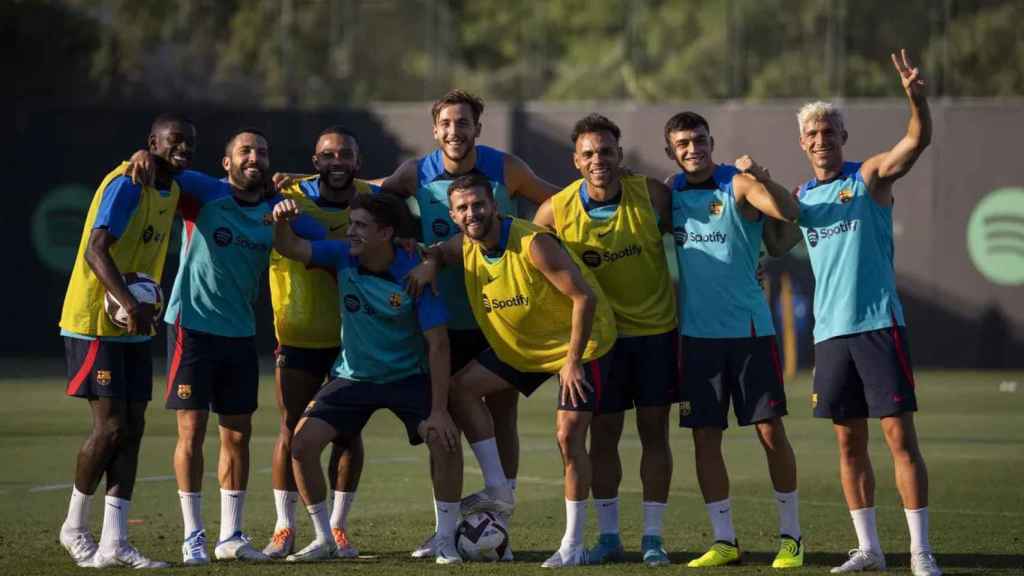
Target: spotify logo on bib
[{"x": 995, "y": 236}]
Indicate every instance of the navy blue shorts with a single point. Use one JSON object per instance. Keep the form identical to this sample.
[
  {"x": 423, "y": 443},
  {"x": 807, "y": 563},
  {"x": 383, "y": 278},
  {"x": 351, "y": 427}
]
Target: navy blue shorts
[
  {"x": 348, "y": 404},
  {"x": 747, "y": 370},
  {"x": 210, "y": 372},
  {"x": 643, "y": 373},
  {"x": 863, "y": 375},
  {"x": 597, "y": 372},
  {"x": 315, "y": 361},
  {"x": 101, "y": 368},
  {"x": 465, "y": 346}
]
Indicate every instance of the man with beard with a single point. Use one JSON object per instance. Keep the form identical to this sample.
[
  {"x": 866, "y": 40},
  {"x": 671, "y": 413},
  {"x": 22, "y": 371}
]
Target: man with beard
[
  {"x": 862, "y": 361},
  {"x": 212, "y": 362},
  {"x": 307, "y": 324},
  {"x": 611, "y": 222},
  {"x": 127, "y": 229},
  {"x": 543, "y": 313},
  {"x": 728, "y": 348},
  {"x": 456, "y": 126}
]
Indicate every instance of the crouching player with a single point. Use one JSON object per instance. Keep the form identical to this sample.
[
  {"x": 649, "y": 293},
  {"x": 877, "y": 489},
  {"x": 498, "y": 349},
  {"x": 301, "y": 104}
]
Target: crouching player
[{"x": 387, "y": 335}]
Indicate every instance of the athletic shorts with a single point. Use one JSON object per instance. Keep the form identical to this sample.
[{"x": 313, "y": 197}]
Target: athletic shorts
[
  {"x": 747, "y": 370},
  {"x": 465, "y": 346},
  {"x": 101, "y": 368},
  {"x": 210, "y": 372},
  {"x": 315, "y": 361},
  {"x": 348, "y": 404},
  {"x": 643, "y": 373},
  {"x": 597, "y": 372},
  {"x": 863, "y": 375}
]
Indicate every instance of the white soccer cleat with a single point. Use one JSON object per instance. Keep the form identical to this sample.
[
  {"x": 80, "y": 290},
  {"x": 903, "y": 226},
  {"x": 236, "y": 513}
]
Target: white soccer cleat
[
  {"x": 500, "y": 500},
  {"x": 125, "y": 555},
  {"x": 80, "y": 545},
  {"x": 238, "y": 547},
  {"x": 281, "y": 544},
  {"x": 315, "y": 552},
  {"x": 446, "y": 552},
  {"x": 428, "y": 549},
  {"x": 861, "y": 560},
  {"x": 924, "y": 564},
  {"x": 575, "y": 556},
  {"x": 193, "y": 551}
]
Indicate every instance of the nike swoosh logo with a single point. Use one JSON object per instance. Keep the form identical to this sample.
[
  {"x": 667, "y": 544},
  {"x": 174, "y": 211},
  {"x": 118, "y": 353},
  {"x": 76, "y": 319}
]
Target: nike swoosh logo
[
  {"x": 162, "y": 211},
  {"x": 114, "y": 506},
  {"x": 726, "y": 511},
  {"x": 336, "y": 228},
  {"x": 603, "y": 234}
]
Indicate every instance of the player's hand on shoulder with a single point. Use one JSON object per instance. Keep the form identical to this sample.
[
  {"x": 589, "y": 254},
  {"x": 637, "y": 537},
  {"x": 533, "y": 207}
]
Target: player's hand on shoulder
[
  {"x": 419, "y": 277},
  {"x": 285, "y": 210},
  {"x": 746, "y": 165},
  {"x": 142, "y": 168},
  {"x": 574, "y": 383},
  {"x": 283, "y": 180}
]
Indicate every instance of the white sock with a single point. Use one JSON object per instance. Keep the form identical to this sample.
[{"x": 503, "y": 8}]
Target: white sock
[
  {"x": 321, "y": 522},
  {"x": 191, "y": 511},
  {"x": 232, "y": 505},
  {"x": 607, "y": 515},
  {"x": 720, "y": 514},
  {"x": 115, "y": 523},
  {"x": 788, "y": 504},
  {"x": 342, "y": 504},
  {"x": 653, "y": 514},
  {"x": 78, "y": 510},
  {"x": 867, "y": 532},
  {"x": 284, "y": 503},
  {"x": 917, "y": 521},
  {"x": 575, "y": 522},
  {"x": 486, "y": 452},
  {"x": 448, "y": 515}
]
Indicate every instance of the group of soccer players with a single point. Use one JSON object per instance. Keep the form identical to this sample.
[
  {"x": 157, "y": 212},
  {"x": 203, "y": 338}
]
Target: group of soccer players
[{"x": 488, "y": 307}]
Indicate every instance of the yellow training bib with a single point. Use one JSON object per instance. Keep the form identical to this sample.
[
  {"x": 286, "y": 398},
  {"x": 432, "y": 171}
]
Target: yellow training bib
[
  {"x": 142, "y": 247},
  {"x": 625, "y": 253},
  {"x": 526, "y": 320},
  {"x": 305, "y": 300}
]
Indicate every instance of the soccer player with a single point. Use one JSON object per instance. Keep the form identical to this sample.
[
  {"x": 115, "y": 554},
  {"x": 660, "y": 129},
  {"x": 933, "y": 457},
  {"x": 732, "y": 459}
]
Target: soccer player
[
  {"x": 611, "y": 222},
  {"x": 307, "y": 325},
  {"x": 381, "y": 365},
  {"x": 729, "y": 348},
  {"x": 227, "y": 239},
  {"x": 542, "y": 314},
  {"x": 127, "y": 229},
  {"x": 861, "y": 353},
  {"x": 456, "y": 126}
]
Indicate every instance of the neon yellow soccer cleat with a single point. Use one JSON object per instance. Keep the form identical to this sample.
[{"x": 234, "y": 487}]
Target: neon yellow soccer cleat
[
  {"x": 720, "y": 554},
  {"x": 791, "y": 553}
]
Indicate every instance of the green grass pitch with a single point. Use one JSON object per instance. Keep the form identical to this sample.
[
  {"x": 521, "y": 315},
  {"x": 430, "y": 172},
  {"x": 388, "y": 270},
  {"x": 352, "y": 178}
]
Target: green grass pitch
[{"x": 971, "y": 433}]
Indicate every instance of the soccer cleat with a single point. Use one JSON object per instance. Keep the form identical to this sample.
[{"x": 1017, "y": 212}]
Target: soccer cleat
[
  {"x": 507, "y": 556},
  {"x": 446, "y": 552},
  {"x": 282, "y": 543},
  {"x": 193, "y": 551},
  {"x": 791, "y": 553},
  {"x": 575, "y": 556},
  {"x": 720, "y": 554},
  {"x": 315, "y": 552},
  {"x": 80, "y": 545},
  {"x": 924, "y": 564},
  {"x": 125, "y": 555},
  {"x": 427, "y": 549},
  {"x": 238, "y": 547},
  {"x": 608, "y": 549},
  {"x": 861, "y": 560},
  {"x": 654, "y": 551},
  {"x": 345, "y": 549},
  {"x": 500, "y": 500}
]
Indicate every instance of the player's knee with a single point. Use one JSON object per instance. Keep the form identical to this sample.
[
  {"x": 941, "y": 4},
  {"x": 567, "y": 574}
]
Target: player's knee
[{"x": 302, "y": 449}]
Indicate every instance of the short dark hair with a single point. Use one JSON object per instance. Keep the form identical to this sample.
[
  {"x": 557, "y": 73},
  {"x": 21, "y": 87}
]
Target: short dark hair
[
  {"x": 246, "y": 130},
  {"x": 458, "y": 96},
  {"x": 470, "y": 181},
  {"x": 339, "y": 130},
  {"x": 593, "y": 123},
  {"x": 388, "y": 210},
  {"x": 167, "y": 119},
  {"x": 685, "y": 121}
]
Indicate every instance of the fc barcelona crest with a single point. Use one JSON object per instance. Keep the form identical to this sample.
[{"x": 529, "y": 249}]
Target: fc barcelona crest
[
  {"x": 685, "y": 409},
  {"x": 103, "y": 377},
  {"x": 715, "y": 208},
  {"x": 395, "y": 300},
  {"x": 184, "y": 391}
]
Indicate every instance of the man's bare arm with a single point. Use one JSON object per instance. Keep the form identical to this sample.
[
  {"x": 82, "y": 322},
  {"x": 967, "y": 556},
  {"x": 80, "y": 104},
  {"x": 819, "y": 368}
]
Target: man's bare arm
[
  {"x": 523, "y": 182},
  {"x": 545, "y": 215},
  {"x": 403, "y": 181}
]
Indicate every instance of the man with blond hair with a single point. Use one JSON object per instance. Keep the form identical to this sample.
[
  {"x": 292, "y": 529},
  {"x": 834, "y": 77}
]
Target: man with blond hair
[{"x": 863, "y": 367}]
